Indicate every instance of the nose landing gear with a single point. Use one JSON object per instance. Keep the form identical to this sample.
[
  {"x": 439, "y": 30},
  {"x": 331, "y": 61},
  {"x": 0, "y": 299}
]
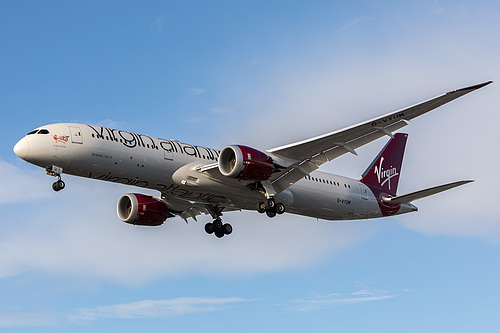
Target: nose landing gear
[
  {"x": 58, "y": 185},
  {"x": 56, "y": 172}
]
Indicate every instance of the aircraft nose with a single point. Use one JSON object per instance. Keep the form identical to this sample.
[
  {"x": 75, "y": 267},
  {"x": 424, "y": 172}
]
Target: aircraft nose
[{"x": 22, "y": 148}]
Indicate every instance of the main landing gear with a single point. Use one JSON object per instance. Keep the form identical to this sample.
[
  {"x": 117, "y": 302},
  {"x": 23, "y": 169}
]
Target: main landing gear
[
  {"x": 217, "y": 227},
  {"x": 271, "y": 207}
]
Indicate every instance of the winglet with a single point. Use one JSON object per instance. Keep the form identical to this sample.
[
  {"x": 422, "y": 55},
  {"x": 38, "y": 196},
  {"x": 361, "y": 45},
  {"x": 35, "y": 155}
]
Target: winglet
[{"x": 475, "y": 87}]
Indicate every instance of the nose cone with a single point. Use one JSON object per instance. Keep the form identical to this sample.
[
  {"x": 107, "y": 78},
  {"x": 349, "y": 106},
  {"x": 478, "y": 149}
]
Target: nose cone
[{"x": 22, "y": 148}]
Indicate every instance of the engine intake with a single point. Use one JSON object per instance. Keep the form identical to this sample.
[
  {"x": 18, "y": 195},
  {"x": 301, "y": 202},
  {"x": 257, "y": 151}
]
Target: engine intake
[
  {"x": 245, "y": 163},
  {"x": 141, "y": 209}
]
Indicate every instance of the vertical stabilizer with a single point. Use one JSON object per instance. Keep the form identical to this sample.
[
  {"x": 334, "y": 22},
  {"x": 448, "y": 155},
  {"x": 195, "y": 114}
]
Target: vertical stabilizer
[{"x": 384, "y": 171}]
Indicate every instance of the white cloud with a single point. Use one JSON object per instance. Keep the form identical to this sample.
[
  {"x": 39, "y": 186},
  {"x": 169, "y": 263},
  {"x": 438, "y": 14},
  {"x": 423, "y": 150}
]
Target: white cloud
[
  {"x": 22, "y": 184},
  {"x": 79, "y": 235}
]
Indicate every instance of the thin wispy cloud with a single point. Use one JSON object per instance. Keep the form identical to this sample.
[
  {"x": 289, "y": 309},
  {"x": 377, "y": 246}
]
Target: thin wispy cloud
[
  {"x": 196, "y": 91},
  {"x": 438, "y": 11},
  {"x": 30, "y": 319},
  {"x": 322, "y": 301},
  {"x": 220, "y": 110},
  {"x": 158, "y": 24},
  {"x": 112, "y": 123},
  {"x": 194, "y": 120},
  {"x": 134, "y": 310},
  {"x": 353, "y": 23},
  {"x": 155, "y": 308}
]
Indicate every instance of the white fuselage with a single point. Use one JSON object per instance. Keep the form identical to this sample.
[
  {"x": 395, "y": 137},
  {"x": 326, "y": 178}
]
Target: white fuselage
[{"x": 173, "y": 168}]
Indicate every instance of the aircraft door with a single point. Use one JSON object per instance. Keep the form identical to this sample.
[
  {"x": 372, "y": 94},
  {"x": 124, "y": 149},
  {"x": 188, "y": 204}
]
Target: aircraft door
[{"x": 76, "y": 135}]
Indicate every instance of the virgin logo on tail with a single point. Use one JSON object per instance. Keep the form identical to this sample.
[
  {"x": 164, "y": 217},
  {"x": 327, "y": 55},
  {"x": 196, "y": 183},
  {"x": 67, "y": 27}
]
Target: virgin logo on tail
[
  {"x": 391, "y": 157},
  {"x": 384, "y": 176}
]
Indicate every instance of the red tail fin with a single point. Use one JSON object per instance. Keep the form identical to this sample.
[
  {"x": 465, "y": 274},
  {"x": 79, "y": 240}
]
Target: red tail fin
[{"x": 384, "y": 171}]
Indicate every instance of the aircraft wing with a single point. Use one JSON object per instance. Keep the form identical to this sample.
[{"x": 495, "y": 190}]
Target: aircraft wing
[
  {"x": 311, "y": 153},
  {"x": 186, "y": 209},
  {"x": 407, "y": 198}
]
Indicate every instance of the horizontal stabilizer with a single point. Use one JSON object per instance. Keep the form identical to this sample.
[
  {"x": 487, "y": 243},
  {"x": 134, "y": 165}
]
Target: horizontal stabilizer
[{"x": 407, "y": 198}]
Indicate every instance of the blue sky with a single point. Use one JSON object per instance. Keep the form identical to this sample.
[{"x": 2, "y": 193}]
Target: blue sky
[{"x": 263, "y": 74}]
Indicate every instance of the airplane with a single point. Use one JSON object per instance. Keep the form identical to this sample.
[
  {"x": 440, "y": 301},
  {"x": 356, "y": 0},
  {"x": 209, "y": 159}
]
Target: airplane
[{"x": 194, "y": 180}]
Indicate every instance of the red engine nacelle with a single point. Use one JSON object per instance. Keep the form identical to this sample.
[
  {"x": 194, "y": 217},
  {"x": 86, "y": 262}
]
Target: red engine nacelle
[
  {"x": 245, "y": 163},
  {"x": 141, "y": 209}
]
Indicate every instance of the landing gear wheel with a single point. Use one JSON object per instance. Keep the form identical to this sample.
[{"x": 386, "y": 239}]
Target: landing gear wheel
[
  {"x": 209, "y": 228},
  {"x": 280, "y": 208},
  {"x": 58, "y": 185},
  {"x": 217, "y": 228},
  {"x": 270, "y": 204},
  {"x": 218, "y": 224},
  {"x": 271, "y": 213},
  {"x": 261, "y": 207},
  {"x": 227, "y": 228}
]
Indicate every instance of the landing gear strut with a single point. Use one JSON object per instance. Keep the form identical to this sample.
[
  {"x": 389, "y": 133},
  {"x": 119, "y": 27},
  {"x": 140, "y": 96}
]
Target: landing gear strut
[
  {"x": 217, "y": 227},
  {"x": 271, "y": 207}
]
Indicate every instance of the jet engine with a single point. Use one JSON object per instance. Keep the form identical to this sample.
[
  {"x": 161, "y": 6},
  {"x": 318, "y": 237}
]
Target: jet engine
[
  {"x": 141, "y": 209},
  {"x": 245, "y": 163}
]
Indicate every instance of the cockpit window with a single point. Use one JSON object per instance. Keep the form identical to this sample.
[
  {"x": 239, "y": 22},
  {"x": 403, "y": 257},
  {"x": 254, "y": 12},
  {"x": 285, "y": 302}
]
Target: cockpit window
[{"x": 39, "y": 131}]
